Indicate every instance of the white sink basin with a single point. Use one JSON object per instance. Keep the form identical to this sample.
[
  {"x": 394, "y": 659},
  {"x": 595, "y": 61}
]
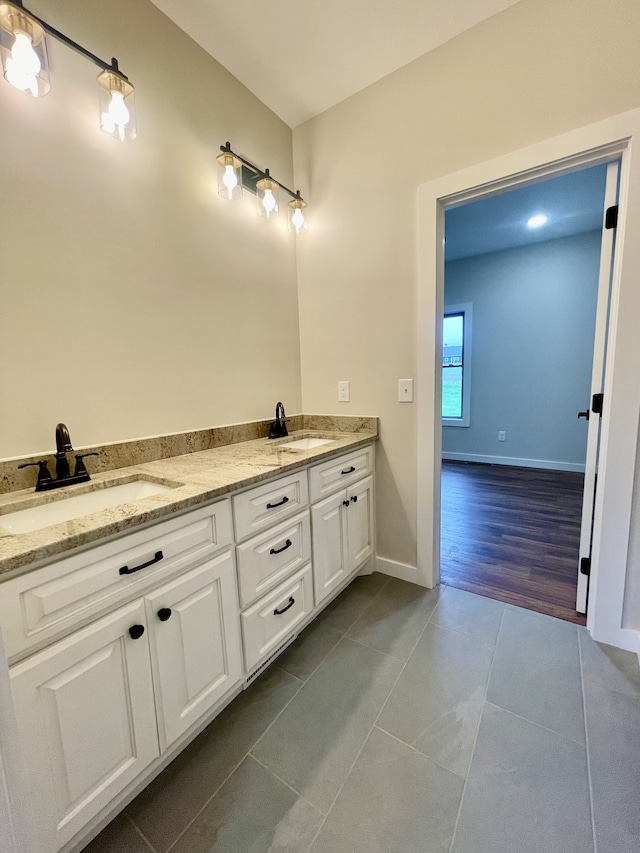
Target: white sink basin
[
  {"x": 75, "y": 506},
  {"x": 305, "y": 443}
]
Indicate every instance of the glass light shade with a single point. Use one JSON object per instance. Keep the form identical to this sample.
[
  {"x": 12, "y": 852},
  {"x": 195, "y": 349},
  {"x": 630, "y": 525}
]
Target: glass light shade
[
  {"x": 229, "y": 176},
  {"x": 117, "y": 110},
  {"x": 267, "y": 191},
  {"x": 297, "y": 215},
  {"x": 25, "y": 63}
]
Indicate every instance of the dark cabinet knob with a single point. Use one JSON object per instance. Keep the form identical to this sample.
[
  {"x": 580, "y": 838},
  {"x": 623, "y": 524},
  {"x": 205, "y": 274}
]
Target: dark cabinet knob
[
  {"x": 136, "y": 631},
  {"x": 164, "y": 613},
  {"x": 345, "y": 503},
  {"x": 355, "y": 499}
]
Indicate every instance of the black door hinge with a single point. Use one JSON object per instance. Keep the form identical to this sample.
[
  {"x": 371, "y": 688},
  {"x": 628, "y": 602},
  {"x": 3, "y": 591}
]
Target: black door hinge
[
  {"x": 585, "y": 566},
  {"x": 611, "y": 217},
  {"x": 596, "y": 404}
]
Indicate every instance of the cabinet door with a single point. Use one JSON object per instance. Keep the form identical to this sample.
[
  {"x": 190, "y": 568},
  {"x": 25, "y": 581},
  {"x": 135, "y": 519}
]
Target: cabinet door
[
  {"x": 195, "y": 644},
  {"x": 328, "y": 520},
  {"x": 359, "y": 523},
  {"x": 86, "y": 717}
]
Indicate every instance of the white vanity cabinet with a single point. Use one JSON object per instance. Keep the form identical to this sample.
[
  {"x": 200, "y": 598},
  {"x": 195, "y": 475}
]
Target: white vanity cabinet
[
  {"x": 342, "y": 523},
  {"x": 274, "y": 569},
  {"x": 121, "y": 653},
  {"x": 96, "y": 707},
  {"x": 86, "y": 716}
]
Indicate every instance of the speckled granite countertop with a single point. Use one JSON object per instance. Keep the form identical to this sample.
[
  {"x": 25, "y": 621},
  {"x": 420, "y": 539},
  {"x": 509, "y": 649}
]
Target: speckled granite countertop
[{"x": 195, "y": 478}]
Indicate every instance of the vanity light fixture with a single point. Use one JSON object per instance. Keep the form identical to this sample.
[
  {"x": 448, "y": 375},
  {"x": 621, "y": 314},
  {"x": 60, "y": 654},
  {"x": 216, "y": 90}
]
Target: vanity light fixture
[
  {"x": 25, "y": 62},
  {"x": 297, "y": 219},
  {"x": 235, "y": 174},
  {"x": 268, "y": 198},
  {"x": 26, "y": 67}
]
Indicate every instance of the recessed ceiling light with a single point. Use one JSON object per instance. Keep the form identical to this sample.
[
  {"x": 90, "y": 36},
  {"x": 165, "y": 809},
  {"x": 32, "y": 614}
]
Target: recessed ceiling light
[{"x": 537, "y": 221}]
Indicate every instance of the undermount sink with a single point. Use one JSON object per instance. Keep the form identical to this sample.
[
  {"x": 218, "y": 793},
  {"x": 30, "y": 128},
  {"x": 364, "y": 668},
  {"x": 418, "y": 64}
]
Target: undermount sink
[
  {"x": 76, "y": 506},
  {"x": 305, "y": 443}
]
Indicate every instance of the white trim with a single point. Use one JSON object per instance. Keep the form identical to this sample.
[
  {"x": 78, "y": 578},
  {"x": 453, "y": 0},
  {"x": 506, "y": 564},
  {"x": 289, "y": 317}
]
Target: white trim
[
  {"x": 402, "y": 571},
  {"x": 466, "y": 309},
  {"x": 597, "y": 143},
  {"x": 515, "y": 461}
]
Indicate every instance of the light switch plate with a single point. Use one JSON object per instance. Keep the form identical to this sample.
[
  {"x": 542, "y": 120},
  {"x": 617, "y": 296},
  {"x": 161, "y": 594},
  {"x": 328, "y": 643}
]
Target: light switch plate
[
  {"x": 405, "y": 390},
  {"x": 344, "y": 393}
]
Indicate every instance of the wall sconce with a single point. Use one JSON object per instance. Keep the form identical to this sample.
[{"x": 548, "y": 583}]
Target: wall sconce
[
  {"x": 268, "y": 197},
  {"x": 229, "y": 174},
  {"x": 297, "y": 219},
  {"x": 236, "y": 173},
  {"x": 26, "y": 67}
]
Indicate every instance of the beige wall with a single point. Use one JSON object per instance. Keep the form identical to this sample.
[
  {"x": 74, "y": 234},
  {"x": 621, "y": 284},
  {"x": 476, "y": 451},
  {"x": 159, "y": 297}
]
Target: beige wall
[
  {"x": 534, "y": 71},
  {"x": 133, "y": 300}
]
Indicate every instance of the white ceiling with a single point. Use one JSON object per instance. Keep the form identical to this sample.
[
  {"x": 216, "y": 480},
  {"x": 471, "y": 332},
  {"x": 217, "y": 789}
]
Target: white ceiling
[
  {"x": 572, "y": 203},
  {"x": 301, "y": 57}
]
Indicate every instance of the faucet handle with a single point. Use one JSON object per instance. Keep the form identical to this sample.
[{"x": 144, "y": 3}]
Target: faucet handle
[
  {"x": 80, "y": 466},
  {"x": 44, "y": 476}
]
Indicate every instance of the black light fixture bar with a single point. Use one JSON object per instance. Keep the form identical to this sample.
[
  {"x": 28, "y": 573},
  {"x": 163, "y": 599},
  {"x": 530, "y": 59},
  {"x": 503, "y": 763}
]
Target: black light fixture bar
[
  {"x": 52, "y": 31},
  {"x": 257, "y": 175}
]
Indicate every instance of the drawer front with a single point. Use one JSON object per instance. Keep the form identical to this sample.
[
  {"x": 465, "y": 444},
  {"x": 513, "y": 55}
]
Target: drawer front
[
  {"x": 41, "y": 604},
  {"x": 273, "y": 619},
  {"x": 268, "y": 559},
  {"x": 259, "y": 508},
  {"x": 329, "y": 477}
]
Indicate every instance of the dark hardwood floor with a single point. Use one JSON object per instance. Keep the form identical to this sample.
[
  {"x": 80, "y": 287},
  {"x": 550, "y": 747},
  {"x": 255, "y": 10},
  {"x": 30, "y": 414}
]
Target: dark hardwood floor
[{"x": 512, "y": 534}]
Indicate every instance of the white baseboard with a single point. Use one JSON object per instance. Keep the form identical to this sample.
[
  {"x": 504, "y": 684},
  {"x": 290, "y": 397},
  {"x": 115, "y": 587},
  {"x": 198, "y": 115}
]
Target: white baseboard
[
  {"x": 515, "y": 461},
  {"x": 402, "y": 571}
]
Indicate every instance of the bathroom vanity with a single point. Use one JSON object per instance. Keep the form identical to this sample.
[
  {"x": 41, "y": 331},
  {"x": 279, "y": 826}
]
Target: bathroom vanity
[{"x": 122, "y": 648}]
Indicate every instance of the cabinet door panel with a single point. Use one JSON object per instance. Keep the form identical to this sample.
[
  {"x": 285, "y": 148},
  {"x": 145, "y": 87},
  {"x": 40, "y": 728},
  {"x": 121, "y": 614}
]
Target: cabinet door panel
[
  {"x": 328, "y": 519},
  {"x": 360, "y": 523},
  {"x": 195, "y": 651},
  {"x": 87, "y": 721}
]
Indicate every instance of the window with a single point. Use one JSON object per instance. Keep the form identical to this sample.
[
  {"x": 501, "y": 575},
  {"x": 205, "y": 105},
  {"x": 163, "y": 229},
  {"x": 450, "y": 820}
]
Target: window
[{"x": 456, "y": 365}]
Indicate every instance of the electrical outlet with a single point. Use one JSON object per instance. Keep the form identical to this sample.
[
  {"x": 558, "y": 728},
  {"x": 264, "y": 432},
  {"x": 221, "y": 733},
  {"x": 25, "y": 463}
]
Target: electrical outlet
[
  {"x": 502, "y": 435},
  {"x": 405, "y": 390},
  {"x": 344, "y": 394}
]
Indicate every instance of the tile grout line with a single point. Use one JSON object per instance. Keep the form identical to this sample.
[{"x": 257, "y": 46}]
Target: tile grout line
[
  {"x": 586, "y": 746},
  {"x": 324, "y": 820},
  {"x": 417, "y": 751},
  {"x": 475, "y": 740},
  {"x": 286, "y": 784},
  {"x": 230, "y": 774},
  {"x": 373, "y": 725},
  {"x": 140, "y": 832},
  {"x": 282, "y": 710},
  {"x": 537, "y": 725}
]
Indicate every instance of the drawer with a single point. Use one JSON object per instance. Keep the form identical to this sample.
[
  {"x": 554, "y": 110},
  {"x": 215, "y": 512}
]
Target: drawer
[
  {"x": 37, "y": 606},
  {"x": 266, "y": 560},
  {"x": 273, "y": 619},
  {"x": 329, "y": 477},
  {"x": 259, "y": 508}
]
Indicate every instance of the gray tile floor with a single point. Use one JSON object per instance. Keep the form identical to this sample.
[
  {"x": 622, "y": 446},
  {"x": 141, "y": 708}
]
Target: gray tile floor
[{"x": 410, "y": 720}]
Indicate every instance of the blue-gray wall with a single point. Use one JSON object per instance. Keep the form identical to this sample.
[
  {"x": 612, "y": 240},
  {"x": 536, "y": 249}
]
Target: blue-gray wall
[{"x": 533, "y": 328}]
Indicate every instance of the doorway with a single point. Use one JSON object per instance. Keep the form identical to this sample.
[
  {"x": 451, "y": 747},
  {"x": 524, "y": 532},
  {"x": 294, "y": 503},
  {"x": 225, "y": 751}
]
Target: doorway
[
  {"x": 611, "y": 617},
  {"x": 522, "y": 273}
]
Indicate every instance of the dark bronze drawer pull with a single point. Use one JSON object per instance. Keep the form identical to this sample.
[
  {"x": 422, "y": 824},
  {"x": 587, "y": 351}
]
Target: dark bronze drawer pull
[
  {"x": 355, "y": 499},
  {"x": 136, "y": 631},
  {"x": 285, "y": 500},
  {"x": 277, "y": 612},
  {"x": 348, "y": 471},
  {"x": 164, "y": 613},
  {"x": 287, "y": 544},
  {"x": 125, "y": 570}
]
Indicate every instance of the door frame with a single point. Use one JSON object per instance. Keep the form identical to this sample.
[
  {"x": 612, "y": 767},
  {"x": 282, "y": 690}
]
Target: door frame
[{"x": 588, "y": 146}]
